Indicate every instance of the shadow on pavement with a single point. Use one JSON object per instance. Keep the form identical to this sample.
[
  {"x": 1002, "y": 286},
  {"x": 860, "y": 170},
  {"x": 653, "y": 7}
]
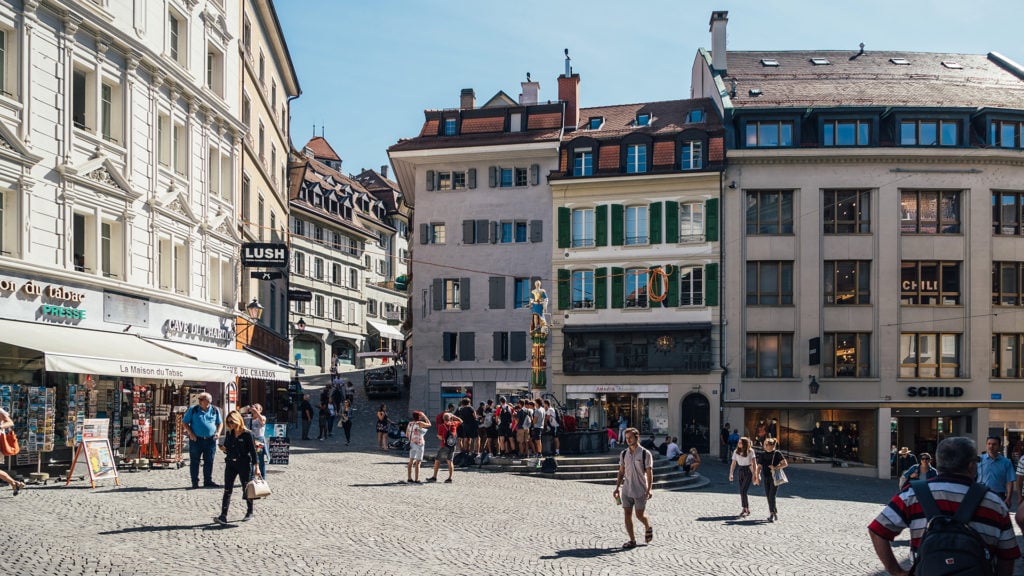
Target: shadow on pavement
[
  {"x": 583, "y": 553},
  {"x": 379, "y": 485},
  {"x": 715, "y": 518},
  {"x": 157, "y": 529}
]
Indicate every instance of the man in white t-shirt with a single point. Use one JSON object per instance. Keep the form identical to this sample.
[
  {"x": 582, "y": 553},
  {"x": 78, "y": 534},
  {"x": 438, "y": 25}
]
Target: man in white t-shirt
[
  {"x": 539, "y": 417},
  {"x": 552, "y": 417},
  {"x": 416, "y": 432},
  {"x": 636, "y": 478}
]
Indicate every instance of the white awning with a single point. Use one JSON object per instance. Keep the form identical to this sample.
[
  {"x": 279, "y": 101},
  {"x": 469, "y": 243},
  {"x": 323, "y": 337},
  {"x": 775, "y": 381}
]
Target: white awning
[
  {"x": 239, "y": 362},
  {"x": 82, "y": 351},
  {"x": 386, "y": 331},
  {"x": 376, "y": 355}
]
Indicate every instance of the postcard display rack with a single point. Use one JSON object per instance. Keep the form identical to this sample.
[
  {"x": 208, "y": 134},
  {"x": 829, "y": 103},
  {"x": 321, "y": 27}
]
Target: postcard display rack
[{"x": 34, "y": 413}]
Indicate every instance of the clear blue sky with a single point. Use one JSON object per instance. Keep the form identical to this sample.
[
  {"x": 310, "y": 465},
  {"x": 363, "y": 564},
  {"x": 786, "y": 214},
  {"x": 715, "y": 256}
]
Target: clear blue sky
[{"x": 368, "y": 68}]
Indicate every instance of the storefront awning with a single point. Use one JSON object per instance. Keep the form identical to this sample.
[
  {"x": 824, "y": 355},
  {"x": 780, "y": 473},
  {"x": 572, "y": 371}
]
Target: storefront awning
[
  {"x": 273, "y": 359},
  {"x": 376, "y": 355},
  {"x": 239, "y": 362},
  {"x": 82, "y": 351},
  {"x": 385, "y": 330}
]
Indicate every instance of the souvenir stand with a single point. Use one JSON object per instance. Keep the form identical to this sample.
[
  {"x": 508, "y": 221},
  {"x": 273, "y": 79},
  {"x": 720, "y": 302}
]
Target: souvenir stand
[
  {"x": 33, "y": 409},
  {"x": 168, "y": 430}
]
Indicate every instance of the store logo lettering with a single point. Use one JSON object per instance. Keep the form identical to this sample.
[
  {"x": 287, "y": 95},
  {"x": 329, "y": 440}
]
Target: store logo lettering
[{"x": 935, "y": 391}]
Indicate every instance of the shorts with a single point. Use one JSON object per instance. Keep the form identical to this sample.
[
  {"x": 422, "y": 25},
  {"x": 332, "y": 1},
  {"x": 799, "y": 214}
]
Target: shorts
[
  {"x": 552, "y": 431},
  {"x": 444, "y": 454},
  {"x": 535, "y": 433},
  {"x": 481, "y": 432},
  {"x": 492, "y": 432},
  {"x": 637, "y": 502},
  {"x": 522, "y": 435},
  {"x": 468, "y": 431},
  {"x": 505, "y": 432},
  {"x": 416, "y": 451}
]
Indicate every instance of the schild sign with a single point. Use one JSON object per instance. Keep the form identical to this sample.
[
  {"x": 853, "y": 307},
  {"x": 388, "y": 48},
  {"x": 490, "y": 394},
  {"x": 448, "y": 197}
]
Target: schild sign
[{"x": 264, "y": 254}]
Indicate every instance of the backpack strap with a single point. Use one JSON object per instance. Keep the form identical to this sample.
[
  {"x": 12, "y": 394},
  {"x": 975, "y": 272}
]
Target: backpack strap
[
  {"x": 970, "y": 503},
  {"x": 924, "y": 496}
]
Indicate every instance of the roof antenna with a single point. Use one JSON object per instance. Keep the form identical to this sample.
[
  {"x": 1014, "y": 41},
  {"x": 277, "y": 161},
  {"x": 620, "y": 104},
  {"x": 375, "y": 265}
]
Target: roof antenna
[
  {"x": 861, "y": 53},
  {"x": 527, "y": 76},
  {"x": 314, "y": 130},
  {"x": 568, "y": 68}
]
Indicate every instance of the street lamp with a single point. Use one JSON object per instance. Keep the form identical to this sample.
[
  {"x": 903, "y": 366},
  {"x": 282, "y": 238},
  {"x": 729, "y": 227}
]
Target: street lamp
[
  {"x": 255, "y": 310},
  {"x": 300, "y": 326}
]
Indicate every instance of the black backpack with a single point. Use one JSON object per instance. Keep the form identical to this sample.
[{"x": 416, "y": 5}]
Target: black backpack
[
  {"x": 949, "y": 545},
  {"x": 549, "y": 465}
]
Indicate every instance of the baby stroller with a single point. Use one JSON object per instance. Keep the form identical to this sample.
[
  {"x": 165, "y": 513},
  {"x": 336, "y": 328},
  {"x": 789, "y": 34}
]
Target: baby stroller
[{"x": 397, "y": 434}]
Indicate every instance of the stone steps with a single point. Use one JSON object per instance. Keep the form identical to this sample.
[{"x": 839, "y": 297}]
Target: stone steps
[{"x": 602, "y": 470}]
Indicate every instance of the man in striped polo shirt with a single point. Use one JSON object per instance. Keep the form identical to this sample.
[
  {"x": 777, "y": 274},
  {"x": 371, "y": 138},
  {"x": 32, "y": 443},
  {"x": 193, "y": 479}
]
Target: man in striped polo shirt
[{"x": 957, "y": 463}]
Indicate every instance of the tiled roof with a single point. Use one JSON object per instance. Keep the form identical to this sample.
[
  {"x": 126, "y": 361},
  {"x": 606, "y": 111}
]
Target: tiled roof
[
  {"x": 382, "y": 188},
  {"x": 667, "y": 117},
  {"x": 871, "y": 79},
  {"x": 485, "y": 127},
  {"x": 429, "y": 142},
  {"x": 321, "y": 149},
  {"x": 309, "y": 171}
]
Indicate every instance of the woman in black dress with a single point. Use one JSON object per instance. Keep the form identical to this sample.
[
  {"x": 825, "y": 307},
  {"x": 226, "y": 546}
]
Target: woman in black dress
[
  {"x": 239, "y": 458},
  {"x": 768, "y": 462}
]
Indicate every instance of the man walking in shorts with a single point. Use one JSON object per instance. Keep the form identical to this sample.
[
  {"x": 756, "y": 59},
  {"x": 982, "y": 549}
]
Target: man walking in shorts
[
  {"x": 416, "y": 432},
  {"x": 636, "y": 479}
]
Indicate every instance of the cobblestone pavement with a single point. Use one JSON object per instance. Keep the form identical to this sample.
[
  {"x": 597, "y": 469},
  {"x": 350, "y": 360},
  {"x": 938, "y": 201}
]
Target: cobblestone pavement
[{"x": 343, "y": 510}]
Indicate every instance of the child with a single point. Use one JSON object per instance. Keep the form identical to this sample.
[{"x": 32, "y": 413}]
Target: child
[
  {"x": 613, "y": 437},
  {"x": 416, "y": 432}
]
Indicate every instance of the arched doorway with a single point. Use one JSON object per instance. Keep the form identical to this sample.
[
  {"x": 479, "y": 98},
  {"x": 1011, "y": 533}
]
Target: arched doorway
[{"x": 696, "y": 423}]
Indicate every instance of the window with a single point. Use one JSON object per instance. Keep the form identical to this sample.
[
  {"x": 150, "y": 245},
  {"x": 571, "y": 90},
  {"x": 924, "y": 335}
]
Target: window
[
  {"x": 298, "y": 227},
  {"x": 451, "y": 180},
  {"x": 846, "y": 355},
  {"x": 449, "y": 126},
  {"x": 691, "y": 222},
  {"x": 337, "y": 310},
  {"x": 247, "y": 35},
  {"x": 769, "y": 212},
  {"x": 638, "y": 351},
  {"x": 336, "y": 274},
  {"x": 215, "y": 70},
  {"x": 179, "y": 146},
  {"x": 643, "y": 120},
  {"x": 273, "y": 94},
  {"x": 318, "y": 268},
  {"x": 260, "y": 210},
  {"x": 318, "y": 306},
  {"x": 929, "y": 355},
  {"x": 820, "y": 61},
  {"x": 436, "y": 235},
  {"x": 691, "y": 286},
  {"x": 694, "y": 116},
  {"x": 452, "y": 296},
  {"x": 769, "y": 283},
  {"x": 82, "y": 100},
  {"x": 636, "y": 159},
  {"x": 846, "y": 133},
  {"x": 262, "y": 69},
  {"x": 506, "y": 177},
  {"x": 929, "y": 133},
  {"x": 583, "y": 163},
  {"x": 521, "y": 293},
  {"x": 521, "y": 177},
  {"x": 299, "y": 263},
  {"x": 353, "y": 278},
  {"x": 163, "y": 140},
  {"x": 1006, "y": 212},
  {"x": 5, "y": 227},
  {"x": 595, "y": 123},
  {"x": 929, "y": 212},
  {"x": 583, "y": 289},
  {"x": 221, "y": 283},
  {"x": 1006, "y": 356},
  {"x": 501, "y": 346},
  {"x": 246, "y": 110},
  {"x": 318, "y": 233},
  {"x": 769, "y": 355},
  {"x": 636, "y": 225},
  {"x": 335, "y": 240},
  {"x": 847, "y": 282},
  {"x": 769, "y": 134},
  {"x": 8, "y": 62},
  {"x": 847, "y": 212},
  {"x": 449, "y": 345},
  {"x": 929, "y": 283},
  {"x": 583, "y": 228},
  {"x": 174, "y": 273},
  {"x": 769, "y": 63},
  {"x": 371, "y": 307},
  {"x": 512, "y": 231},
  {"x": 636, "y": 288},
  {"x": 176, "y": 38},
  {"x": 1006, "y": 134},
  {"x": 106, "y": 111},
  {"x": 1006, "y": 284},
  {"x": 691, "y": 157},
  {"x": 261, "y": 138}
]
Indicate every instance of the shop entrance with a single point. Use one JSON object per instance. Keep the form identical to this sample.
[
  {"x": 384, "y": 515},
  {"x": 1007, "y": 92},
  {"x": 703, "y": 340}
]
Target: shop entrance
[
  {"x": 626, "y": 405},
  {"x": 696, "y": 423},
  {"x": 922, "y": 433}
]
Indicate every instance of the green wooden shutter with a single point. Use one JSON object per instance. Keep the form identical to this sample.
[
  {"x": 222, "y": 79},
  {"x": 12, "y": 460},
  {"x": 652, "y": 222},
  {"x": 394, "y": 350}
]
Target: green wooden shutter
[
  {"x": 671, "y": 222},
  {"x": 601, "y": 225},
  {"x": 711, "y": 284},
  {"x": 618, "y": 287},
  {"x": 711, "y": 220},
  {"x": 654, "y": 222},
  {"x": 601, "y": 288},
  {"x": 618, "y": 223},
  {"x": 672, "y": 299},
  {"x": 564, "y": 289},
  {"x": 564, "y": 227}
]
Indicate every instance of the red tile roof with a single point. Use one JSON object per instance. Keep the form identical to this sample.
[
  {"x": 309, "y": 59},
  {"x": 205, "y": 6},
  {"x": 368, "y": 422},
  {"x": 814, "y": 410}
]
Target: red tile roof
[
  {"x": 321, "y": 149},
  {"x": 486, "y": 127},
  {"x": 667, "y": 117}
]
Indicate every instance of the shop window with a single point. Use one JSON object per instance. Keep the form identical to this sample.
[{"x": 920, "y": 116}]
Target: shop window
[
  {"x": 636, "y": 288},
  {"x": 1007, "y": 288},
  {"x": 930, "y": 212},
  {"x": 769, "y": 283},
  {"x": 769, "y": 212},
  {"x": 929, "y": 283},
  {"x": 847, "y": 355},
  {"x": 1006, "y": 212},
  {"x": 632, "y": 351},
  {"x": 1006, "y": 356},
  {"x": 583, "y": 289},
  {"x": 929, "y": 355},
  {"x": 847, "y": 212},
  {"x": 691, "y": 286},
  {"x": 847, "y": 282},
  {"x": 769, "y": 355},
  {"x": 834, "y": 434}
]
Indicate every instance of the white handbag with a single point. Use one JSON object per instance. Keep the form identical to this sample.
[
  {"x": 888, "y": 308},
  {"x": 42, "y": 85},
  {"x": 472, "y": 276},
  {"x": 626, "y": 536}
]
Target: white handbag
[
  {"x": 257, "y": 488},
  {"x": 779, "y": 477}
]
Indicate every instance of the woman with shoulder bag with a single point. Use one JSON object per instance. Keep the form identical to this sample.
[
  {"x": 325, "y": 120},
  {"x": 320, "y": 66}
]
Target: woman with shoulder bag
[
  {"x": 770, "y": 462},
  {"x": 7, "y": 427},
  {"x": 240, "y": 455}
]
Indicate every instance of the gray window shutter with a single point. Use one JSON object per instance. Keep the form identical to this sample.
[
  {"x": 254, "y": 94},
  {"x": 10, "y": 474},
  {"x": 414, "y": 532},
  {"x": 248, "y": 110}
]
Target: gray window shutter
[
  {"x": 482, "y": 229},
  {"x": 463, "y": 293},
  {"x": 472, "y": 178},
  {"x": 467, "y": 346},
  {"x": 535, "y": 174},
  {"x": 495, "y": 232},
  {"x": 468, "y": 232},
  {"x": 496, "y": 347},
  {"x": 430, "y": 180},
  {"x": 424, "y": 233},
  {"x": 438, "y": 293},
  {"x": 517, "y": 346},
  {"x": 493, "y": 171},
  {"x": 447, "y": 351},
  {"x": 496, "y": 292},
  {"x": 536, "y": 230}
]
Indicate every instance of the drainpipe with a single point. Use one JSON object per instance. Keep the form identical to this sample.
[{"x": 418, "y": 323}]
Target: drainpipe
[{"x": 721, "y": 296}]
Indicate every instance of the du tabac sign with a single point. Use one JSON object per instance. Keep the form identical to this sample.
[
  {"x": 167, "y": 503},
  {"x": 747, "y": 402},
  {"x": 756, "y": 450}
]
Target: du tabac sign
[{"x": 264, "y": 254}]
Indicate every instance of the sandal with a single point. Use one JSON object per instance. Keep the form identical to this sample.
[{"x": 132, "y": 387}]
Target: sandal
[
  {"x": 629, "y": 545},
  {"x": 18, "y": 487},
  {"x": 649, "y": 535}
]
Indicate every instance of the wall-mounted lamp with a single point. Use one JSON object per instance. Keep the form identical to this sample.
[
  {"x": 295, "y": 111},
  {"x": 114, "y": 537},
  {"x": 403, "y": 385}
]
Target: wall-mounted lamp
[
  {"x": 255, "y": 310},
  {"x": 814, "y": 386},
  {"x": 732, "y": 185},
  {"x": 300, "y": 326}
]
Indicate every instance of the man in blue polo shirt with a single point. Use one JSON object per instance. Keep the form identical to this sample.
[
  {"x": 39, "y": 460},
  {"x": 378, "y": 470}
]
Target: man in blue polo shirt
[
  {"x": 203, "y": 425},
  {"x": 996, "y": 471}
]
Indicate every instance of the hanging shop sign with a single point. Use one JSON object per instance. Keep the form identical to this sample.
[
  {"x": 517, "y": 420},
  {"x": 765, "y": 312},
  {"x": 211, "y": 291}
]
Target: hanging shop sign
[
  {"x": 935, "y": 391},
  {"x": 271, "y": 255}
]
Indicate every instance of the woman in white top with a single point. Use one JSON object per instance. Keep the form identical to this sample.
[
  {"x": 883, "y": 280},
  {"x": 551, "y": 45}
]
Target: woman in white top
[
  {"x": 258, "y": 425},
  {"x": 745, "y": 458}
]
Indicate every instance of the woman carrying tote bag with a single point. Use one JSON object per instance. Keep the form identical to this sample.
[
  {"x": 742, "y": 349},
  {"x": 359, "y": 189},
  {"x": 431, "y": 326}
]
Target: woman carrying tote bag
[{"x": 772, "y": 462}]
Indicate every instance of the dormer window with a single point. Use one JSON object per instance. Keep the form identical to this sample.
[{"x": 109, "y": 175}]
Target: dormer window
[
  {"x": 694, "y": 116},
  {"x": 952, "y": 65},
  {"x": 900, "y": 61},
  {"x": 595, "y": 123},
  {"x": 643, "y": 120},
  {"x": 769, "y": 62},
  {"x": 449, "y": 126},
  {"x": 820, "y": 61}
]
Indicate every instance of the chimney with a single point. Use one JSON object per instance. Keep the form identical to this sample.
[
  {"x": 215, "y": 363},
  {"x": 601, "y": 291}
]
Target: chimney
[
  {"x": 384, "y": 170},
  {"x": 467, "y": 100},
  {"x": 530, "y": 91},
  {"x": 718, "y": 21},
  {"x": 569, "y": 92}
]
